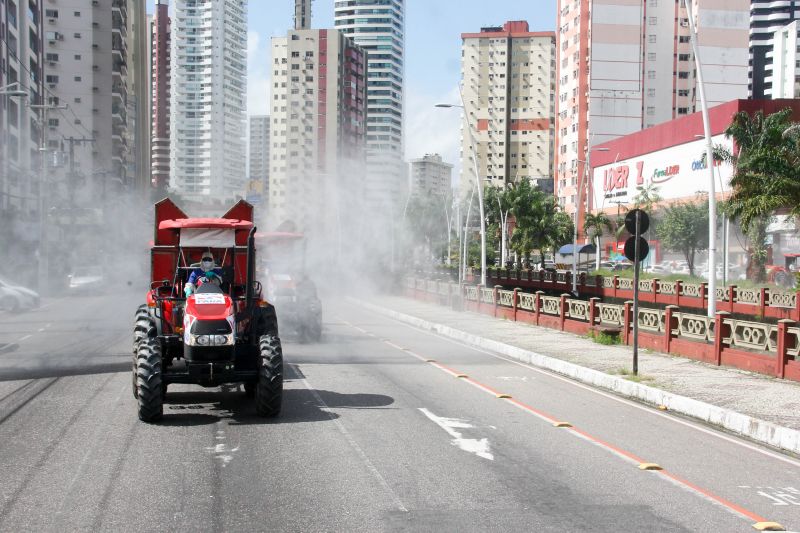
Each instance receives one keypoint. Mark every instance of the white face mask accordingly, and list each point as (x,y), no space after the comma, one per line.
(207,265)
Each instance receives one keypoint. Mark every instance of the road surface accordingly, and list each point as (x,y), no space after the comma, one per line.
(384,428)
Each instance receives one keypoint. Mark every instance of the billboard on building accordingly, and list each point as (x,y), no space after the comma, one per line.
(677,172)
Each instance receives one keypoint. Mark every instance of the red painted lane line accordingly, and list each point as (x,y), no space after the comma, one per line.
(618,451)
(604,444)
(722,501)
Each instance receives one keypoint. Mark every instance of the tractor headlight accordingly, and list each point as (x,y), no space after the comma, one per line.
(211,340)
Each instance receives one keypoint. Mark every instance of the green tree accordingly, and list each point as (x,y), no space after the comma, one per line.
(684,229)
(540,225)
(766,177)
(647,197)
(595,224)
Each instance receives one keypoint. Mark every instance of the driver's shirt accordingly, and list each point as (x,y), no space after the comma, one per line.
(198,273)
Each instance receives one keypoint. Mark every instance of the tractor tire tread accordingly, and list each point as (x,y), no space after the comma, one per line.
(149,383)
(269,389)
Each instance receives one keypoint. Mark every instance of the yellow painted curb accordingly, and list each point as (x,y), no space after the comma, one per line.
(562,425)
(662,407)
(462,376)
(503,396)
(768,526)
(649,466)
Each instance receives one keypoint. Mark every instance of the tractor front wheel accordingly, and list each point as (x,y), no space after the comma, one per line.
(149,384)
(269,389)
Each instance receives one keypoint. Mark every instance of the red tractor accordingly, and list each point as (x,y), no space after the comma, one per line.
(224,332)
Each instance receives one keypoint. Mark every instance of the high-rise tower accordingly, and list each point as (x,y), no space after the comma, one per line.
(302,14)
(160,75)
(766,18)
(378,27)
(508,76)
(207,101)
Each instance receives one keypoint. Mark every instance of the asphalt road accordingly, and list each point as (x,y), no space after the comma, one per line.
(384,428)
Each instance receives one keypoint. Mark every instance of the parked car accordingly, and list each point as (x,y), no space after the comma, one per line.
(16,297)
(88,278)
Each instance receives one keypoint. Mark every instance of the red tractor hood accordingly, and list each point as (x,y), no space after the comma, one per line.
(209,306)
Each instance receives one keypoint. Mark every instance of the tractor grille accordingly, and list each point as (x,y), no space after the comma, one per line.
(211,327)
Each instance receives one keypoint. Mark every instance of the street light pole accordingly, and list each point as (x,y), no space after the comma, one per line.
(477,182)
(581,185)
(712,197)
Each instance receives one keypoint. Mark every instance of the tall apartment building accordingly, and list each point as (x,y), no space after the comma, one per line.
(318,131)
(208,67)
(431,177)
(20,73)
(86,68)
(138,96)
(766,18)
(508,88)
(259,153)
(624,66)
(160,91)
(378,27)
(302,14)
(783,72)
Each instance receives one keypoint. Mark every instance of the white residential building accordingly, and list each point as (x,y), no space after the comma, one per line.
(317,135)
(207,100)
(782,70)
(766,18)
(508,86)
(431,177)
(378,27)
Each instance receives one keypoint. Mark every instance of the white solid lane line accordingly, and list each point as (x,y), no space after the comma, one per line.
(479,447)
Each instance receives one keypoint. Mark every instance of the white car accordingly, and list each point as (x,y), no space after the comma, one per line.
(15,297)
(86,279)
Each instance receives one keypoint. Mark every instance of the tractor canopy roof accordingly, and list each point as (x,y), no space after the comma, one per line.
(206,223)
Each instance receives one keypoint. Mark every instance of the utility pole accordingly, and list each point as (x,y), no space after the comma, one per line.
(43,189)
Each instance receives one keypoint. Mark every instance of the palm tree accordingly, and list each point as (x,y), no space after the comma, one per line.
(766,177)
(594,225)
(647,197)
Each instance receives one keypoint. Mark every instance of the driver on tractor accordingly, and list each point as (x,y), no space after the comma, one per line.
(207,272)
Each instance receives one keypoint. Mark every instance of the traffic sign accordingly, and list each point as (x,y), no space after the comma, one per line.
(630,246)
(630,221)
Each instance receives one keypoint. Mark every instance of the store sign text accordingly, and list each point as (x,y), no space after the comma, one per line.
(662,175)
(617,178)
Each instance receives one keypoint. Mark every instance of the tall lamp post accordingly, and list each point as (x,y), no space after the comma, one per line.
(712,197)
(581,185)
(477,182)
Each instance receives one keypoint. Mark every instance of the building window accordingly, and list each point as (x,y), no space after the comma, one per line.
(651,38)
(651,92)
(683,92)
(683,110)
(683,57)
(683,75)
(76,35)
(653,21)
(651,110)
(651,56)
(651,74)
(683,39)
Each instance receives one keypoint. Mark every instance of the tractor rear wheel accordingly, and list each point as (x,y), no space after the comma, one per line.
(269,389)
(149,383)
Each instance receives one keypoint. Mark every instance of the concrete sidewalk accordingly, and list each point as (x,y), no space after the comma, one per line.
(760,407)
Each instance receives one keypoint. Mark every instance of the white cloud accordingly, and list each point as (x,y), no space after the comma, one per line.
(258,74)
(433,130)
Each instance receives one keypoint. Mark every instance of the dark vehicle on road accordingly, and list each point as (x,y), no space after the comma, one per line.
(289,286)
(224,332)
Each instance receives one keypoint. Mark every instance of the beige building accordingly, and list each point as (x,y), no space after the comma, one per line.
(258,153)
(508,89)
(431,177)
(624,66)
(87,67)
(318,129)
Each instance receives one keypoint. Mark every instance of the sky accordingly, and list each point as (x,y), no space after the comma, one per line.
(432,58)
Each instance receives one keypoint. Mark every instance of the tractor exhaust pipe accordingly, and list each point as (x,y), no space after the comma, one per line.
(251,267)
